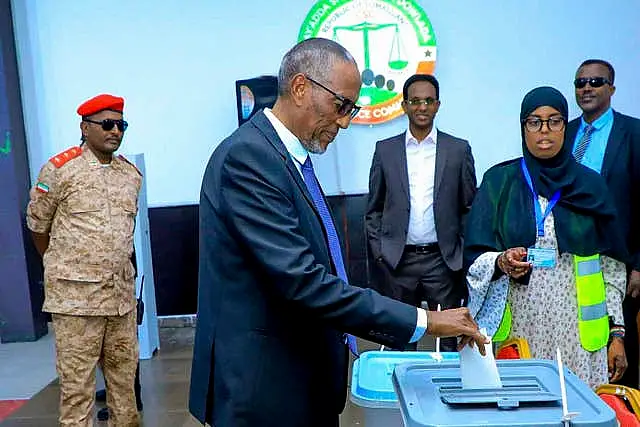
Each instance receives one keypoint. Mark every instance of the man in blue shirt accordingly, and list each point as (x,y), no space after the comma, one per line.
(609,143)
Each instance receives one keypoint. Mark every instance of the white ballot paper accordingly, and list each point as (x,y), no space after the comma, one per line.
(478,371)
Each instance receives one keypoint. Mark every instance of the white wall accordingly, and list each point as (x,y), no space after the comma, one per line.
(176,62)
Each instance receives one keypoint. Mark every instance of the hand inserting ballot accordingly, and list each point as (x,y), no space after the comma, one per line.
(456,322)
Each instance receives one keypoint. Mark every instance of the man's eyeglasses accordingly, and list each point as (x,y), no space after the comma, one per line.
(345,105)
(593,82)
(108,124)
(534,124)
(417,101)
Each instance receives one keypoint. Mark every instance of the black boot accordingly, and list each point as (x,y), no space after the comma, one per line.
(138,388)
(103,414)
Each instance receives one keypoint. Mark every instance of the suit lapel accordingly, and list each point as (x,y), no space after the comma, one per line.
(264,125)
(400,156)
(442,151)
(572,131)
(616,137)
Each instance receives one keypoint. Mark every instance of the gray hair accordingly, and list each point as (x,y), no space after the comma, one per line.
(316,57)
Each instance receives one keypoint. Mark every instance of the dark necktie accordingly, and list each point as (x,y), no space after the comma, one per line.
(311,181)
(583,144)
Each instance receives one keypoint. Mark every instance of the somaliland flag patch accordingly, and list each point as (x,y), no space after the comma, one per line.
(42,187)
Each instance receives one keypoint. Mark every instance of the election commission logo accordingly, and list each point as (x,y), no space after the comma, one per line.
(390,40)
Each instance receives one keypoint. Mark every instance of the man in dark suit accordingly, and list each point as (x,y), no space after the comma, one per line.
(274,301)
(421,186)
(609,143)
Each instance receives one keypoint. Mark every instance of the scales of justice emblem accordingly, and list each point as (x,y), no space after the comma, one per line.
(390,40)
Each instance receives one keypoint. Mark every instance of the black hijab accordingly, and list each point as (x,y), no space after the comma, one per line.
(503,217)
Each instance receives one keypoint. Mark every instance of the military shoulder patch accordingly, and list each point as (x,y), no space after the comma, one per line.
(60,159)
(124,159)
(42,187)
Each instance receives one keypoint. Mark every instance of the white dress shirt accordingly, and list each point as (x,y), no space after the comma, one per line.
(421,170)
(299,154)
(291,142)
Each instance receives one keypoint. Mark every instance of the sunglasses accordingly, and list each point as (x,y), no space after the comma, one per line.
(108,124)
(593,82)
(345,105)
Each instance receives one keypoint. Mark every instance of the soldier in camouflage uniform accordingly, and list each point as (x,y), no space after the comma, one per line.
(81,215)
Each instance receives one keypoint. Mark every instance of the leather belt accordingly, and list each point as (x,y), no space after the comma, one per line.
(422,249)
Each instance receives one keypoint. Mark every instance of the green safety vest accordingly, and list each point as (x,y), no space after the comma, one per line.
(593,322)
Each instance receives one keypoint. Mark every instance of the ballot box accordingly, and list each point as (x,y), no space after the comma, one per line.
(371,386)
(432,395)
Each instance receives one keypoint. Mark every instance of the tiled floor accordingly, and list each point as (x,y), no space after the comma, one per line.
(165,386)
(26,367)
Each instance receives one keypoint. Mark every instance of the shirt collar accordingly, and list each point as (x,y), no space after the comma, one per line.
(432,137)
(290,141)
(600,122)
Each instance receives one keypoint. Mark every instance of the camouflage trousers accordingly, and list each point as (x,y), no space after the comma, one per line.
(82,342)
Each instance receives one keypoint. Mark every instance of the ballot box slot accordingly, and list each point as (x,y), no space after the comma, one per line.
(516,391)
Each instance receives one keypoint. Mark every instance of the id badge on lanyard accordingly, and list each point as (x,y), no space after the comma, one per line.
(538,256)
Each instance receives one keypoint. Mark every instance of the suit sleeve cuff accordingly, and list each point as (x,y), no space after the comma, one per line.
(421,325)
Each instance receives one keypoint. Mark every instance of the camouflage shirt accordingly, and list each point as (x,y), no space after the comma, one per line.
(88,210)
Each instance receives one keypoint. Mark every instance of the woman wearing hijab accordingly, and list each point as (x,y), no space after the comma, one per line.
(544,252)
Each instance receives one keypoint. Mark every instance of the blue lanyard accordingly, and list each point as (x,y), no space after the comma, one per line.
(540,217)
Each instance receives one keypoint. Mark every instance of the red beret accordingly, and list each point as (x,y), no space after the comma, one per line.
(101,102)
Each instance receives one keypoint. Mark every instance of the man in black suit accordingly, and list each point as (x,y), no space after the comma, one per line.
(609,143)
(274,303)
(421,186)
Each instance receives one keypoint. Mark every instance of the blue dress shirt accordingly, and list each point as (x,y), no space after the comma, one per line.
(594,155)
